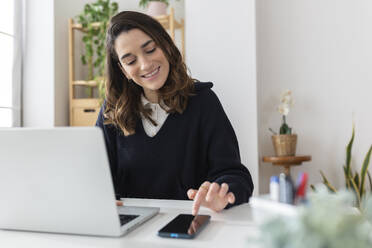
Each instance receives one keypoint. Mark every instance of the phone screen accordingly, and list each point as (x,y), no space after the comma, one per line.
(184,226)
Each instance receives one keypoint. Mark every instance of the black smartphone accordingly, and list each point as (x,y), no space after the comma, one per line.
(184,226)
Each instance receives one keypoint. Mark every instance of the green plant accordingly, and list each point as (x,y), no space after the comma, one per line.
(353,180)
(329,220)
(94,20)
(145,3)
(286,102)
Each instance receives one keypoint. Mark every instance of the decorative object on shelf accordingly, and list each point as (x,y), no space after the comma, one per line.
(286,162)
(155,7)
(353,180)
(94,20)
(285,142)
(329,220)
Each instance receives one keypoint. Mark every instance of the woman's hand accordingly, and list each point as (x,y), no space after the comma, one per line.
(119,203)
(212,196)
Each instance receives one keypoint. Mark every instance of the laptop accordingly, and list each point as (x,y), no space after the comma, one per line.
(58,180)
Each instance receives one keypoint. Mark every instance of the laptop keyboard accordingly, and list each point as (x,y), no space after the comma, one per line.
(125,218)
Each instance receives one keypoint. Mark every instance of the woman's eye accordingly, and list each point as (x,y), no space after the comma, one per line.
(131,62)
(152,50)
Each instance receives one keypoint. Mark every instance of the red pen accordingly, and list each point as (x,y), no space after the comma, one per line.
(301,188)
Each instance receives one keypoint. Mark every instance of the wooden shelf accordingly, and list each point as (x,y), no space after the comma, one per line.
(79,26)
(163,19)
(292,160)
(83,111)
(286,161)
(90,83)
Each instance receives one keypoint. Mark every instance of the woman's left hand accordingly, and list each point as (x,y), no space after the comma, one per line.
(211,195)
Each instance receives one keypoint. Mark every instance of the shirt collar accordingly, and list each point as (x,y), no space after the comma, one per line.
(146,103)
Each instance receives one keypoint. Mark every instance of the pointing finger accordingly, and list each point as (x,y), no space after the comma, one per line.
(200,196)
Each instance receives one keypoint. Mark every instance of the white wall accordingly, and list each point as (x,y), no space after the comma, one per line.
(65,9)
(38,64)
(321,50)
(220,47)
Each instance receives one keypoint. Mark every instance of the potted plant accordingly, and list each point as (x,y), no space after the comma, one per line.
(155,7)
(285,142)
(354,181)
(329,220)
(94,20)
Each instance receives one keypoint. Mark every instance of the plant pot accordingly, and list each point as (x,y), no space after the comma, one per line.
(284,144)
(156,8)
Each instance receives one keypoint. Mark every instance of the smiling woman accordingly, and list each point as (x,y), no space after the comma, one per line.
(167,136)
(137,46)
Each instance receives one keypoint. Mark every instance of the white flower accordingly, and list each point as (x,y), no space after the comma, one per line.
(283,109)
(286,98)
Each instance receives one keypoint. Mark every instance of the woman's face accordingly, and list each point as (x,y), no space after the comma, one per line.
(142,61)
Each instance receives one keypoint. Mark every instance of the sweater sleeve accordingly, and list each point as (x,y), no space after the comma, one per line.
(224,165)
(110,141)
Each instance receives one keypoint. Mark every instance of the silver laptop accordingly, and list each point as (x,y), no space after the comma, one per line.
(58,180)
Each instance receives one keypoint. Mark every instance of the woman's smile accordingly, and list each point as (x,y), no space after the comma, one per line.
(153,74)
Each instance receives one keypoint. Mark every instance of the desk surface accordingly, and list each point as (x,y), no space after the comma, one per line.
(230,228)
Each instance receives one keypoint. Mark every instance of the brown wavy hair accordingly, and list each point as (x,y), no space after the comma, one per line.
(123,106)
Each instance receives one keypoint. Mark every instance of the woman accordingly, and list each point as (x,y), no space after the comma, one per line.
(167,136)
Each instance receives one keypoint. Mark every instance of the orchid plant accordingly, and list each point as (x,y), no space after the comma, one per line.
(286,102)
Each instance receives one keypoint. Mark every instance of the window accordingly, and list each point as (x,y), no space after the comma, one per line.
(10,68)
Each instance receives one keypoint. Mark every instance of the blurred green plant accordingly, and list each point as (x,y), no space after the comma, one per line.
(353,180)
(329,220)
(94,19)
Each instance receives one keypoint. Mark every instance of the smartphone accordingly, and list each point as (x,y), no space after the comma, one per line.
(184,226)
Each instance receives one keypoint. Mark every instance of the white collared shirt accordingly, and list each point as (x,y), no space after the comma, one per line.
(159,115)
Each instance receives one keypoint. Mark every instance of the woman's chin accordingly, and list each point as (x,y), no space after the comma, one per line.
(153,86)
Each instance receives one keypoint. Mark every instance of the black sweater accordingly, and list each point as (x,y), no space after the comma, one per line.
(190,148)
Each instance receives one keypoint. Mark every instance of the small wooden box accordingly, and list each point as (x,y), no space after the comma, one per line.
(84,112)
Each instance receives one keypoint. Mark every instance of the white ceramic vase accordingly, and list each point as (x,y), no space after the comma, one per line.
(156,8)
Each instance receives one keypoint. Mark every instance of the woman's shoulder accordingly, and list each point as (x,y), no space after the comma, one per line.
(203,91)
(202,87)
(204,95)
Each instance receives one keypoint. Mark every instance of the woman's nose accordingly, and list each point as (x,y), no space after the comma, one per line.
(145,64)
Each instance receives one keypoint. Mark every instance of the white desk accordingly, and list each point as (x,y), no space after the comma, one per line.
(230,228)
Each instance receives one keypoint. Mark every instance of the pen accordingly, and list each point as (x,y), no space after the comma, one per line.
(301,188)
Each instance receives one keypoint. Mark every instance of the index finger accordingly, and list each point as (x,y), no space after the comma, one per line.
(200,195)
